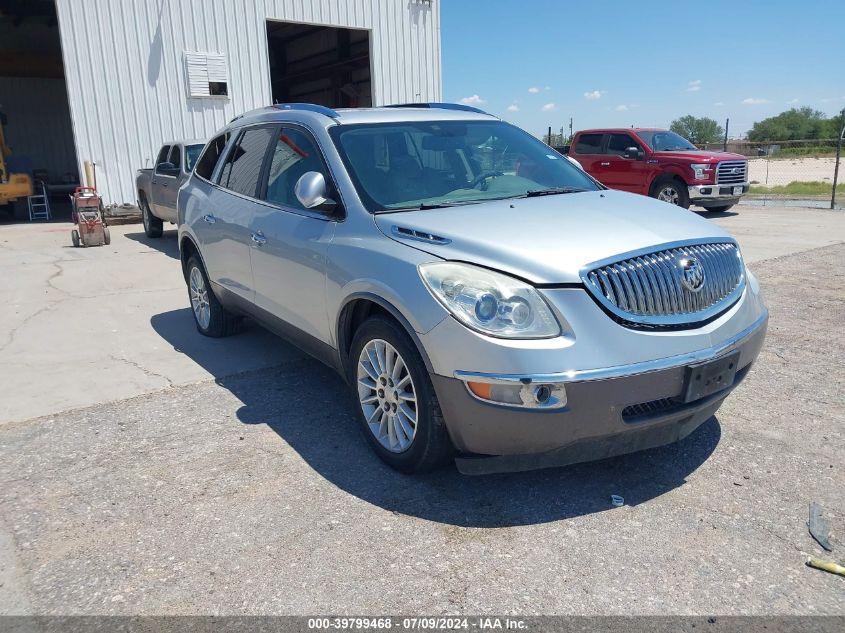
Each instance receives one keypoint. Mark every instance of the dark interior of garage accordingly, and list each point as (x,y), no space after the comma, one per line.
(33,99)
(318,64)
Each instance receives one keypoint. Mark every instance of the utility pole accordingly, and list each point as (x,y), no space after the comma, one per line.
(725,144)
(836,169)
(570,128)
(549,137)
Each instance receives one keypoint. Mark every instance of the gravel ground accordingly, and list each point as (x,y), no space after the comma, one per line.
(256,494)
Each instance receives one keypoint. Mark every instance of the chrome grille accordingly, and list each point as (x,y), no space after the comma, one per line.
(676,286)
(731,172)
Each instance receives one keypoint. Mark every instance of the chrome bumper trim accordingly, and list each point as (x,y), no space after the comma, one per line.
(619,371)
(695,191)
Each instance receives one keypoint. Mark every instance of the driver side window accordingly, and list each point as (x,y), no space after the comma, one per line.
(295,154)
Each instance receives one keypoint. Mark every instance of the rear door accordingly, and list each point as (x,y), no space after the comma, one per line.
(587,150)
(291,242)
(224,228)
(627,174)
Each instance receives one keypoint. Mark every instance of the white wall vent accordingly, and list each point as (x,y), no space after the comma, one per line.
(207,74)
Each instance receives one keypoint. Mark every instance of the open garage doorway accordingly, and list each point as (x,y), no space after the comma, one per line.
(34,103)
(325,65)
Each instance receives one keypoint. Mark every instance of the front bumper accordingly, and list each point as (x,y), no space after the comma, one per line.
(608,411)
(717,194)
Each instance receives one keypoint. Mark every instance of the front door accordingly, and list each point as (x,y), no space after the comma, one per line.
(291,242)
(624,172)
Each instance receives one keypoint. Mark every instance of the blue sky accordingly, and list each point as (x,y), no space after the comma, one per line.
(644,62)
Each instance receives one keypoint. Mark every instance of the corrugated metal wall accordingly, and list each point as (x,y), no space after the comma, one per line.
(39,123)
(124,62)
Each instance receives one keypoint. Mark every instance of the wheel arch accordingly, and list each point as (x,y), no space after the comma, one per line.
(188,248)
(356,309)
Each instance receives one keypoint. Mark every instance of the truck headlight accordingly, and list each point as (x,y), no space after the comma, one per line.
(489,302)
(701,170)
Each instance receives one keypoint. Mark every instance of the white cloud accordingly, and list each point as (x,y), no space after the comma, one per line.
(621,108)
(754,101)
(473,100)
(533,90)
(791,101)
(549,107)
(719,103)
(694,85)
(513,108)
(594,94)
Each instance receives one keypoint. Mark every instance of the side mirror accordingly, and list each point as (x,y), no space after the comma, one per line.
(166,168)
(634,153)
(311,190)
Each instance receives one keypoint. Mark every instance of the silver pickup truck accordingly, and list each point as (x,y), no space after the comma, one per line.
(157,186)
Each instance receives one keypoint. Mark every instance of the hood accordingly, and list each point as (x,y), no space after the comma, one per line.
(547,240)
(698,156)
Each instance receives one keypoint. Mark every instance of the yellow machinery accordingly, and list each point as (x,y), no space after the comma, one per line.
(12,185)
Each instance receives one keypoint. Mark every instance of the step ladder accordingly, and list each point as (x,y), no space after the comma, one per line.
(39,204)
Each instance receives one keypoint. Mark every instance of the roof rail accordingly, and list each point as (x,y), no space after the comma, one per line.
(439,106)
(310,107)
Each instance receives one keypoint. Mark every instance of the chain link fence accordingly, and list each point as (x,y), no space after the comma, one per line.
(789,170)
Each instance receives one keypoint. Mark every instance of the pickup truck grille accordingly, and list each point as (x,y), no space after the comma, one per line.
(671,288)
(731,172)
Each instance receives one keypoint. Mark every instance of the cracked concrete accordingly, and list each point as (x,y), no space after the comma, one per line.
(85,326)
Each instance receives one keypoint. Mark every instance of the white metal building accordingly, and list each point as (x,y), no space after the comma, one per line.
(108,81)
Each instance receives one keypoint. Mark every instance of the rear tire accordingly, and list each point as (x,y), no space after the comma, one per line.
(106,236)
(410,446)
(719,209)
(153,226)
(672,190)
(210,317)
(74,237)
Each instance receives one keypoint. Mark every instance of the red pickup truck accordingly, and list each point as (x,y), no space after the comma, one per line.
(663,165)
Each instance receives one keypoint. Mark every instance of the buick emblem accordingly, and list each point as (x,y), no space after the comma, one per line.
(692,274)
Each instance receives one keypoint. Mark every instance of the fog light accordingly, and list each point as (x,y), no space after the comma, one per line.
(705,191)
(537,396)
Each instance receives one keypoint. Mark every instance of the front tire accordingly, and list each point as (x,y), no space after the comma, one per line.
(719,209)
(74,238)
(671,190)
(106,236)
(211,318)
(395,401)
(153,226)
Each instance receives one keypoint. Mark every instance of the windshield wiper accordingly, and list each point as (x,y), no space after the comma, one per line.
(426,206)
(552,191)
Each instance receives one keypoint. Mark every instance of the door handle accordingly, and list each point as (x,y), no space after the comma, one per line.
(209,218)
(258,238)
(605,164)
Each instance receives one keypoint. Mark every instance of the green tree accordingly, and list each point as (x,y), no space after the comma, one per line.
(795,124)
(697,130)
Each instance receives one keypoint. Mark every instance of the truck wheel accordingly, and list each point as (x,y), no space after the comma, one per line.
(153,226)
(211,318)
(74,237)
(394,399)
(106,236)
(671,190)
(719,209)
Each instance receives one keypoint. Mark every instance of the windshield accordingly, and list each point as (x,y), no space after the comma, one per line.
(192,152)
(442,163)
(665,141)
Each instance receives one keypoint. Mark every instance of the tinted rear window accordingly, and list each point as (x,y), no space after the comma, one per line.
(243,165)
(588,144)
(206,164)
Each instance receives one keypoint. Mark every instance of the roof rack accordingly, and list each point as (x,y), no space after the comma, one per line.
(310,107)
(440,106)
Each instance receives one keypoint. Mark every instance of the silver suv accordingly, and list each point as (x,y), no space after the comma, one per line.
(484,298)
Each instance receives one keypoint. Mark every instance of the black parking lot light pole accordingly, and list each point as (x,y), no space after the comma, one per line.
(836,168)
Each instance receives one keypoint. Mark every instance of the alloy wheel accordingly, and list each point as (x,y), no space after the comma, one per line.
(199,298)
(387,395)
(669,194)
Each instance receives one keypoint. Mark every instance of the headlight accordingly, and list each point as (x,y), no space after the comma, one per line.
(701,170)
(489,302)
